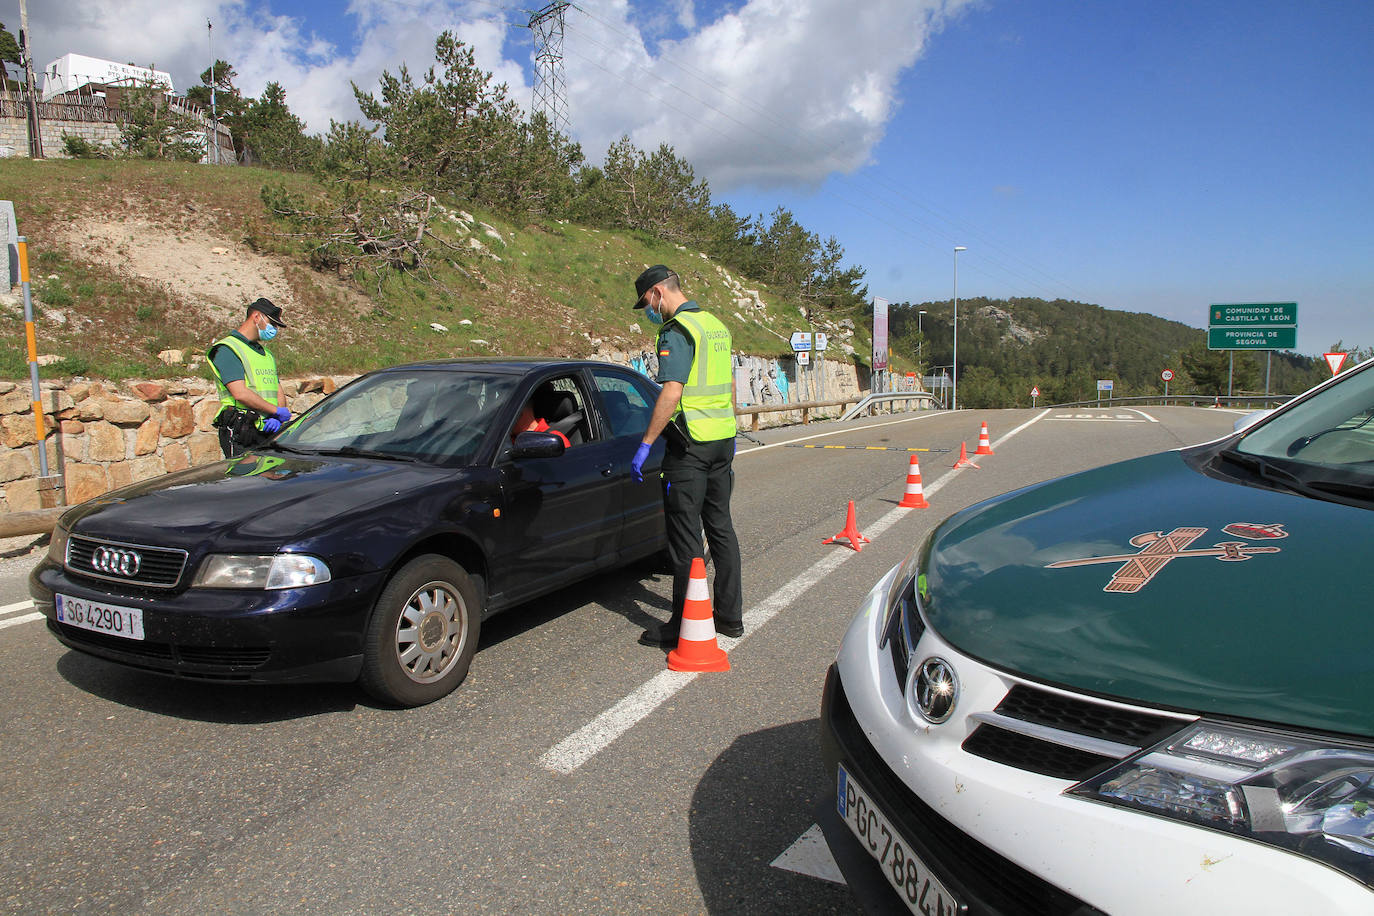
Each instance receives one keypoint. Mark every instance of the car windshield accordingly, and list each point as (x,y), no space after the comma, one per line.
(1330,435)
(431,415)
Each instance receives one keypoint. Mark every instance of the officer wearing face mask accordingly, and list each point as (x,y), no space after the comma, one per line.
(252,404)
(696,408)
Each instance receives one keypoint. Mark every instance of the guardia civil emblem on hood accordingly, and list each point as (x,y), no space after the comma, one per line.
(1158,550)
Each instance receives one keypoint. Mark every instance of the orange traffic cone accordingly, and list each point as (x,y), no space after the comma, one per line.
(914,498)
(850,532)
(984,446)
(964,460)
(696,642)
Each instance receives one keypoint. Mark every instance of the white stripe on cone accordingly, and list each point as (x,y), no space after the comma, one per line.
(694,630)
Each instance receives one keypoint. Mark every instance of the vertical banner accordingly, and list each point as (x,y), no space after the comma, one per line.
(879,334)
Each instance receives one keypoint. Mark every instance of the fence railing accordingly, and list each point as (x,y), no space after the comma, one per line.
(1190,400)
(804,406)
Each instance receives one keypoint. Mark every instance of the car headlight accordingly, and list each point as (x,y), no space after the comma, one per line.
(282,570)
(1310,796)
(57,546)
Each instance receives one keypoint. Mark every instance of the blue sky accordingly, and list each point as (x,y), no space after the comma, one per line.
(1145,155)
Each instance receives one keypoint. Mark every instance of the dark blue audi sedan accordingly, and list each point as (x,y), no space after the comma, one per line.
(369,540)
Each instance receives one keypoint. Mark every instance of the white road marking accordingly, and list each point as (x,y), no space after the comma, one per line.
(1118,418)
(810,855)
(17,606)
(589,740)
(15,621)
(1142,413)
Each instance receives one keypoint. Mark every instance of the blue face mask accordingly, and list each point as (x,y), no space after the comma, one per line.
(268,332)
(652,314)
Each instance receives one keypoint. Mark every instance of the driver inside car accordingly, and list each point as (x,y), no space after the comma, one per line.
(528,422)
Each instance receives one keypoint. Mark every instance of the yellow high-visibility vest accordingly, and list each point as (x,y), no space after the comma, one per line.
(707,402)
(259,374)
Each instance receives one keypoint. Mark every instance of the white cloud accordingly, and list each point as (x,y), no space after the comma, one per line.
(773,93)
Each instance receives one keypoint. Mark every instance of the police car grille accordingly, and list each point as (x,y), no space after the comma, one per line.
(158,567)
(1063,736)
(1110,723)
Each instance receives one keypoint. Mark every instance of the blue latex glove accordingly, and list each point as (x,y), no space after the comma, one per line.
(271,425)
(637,463)
(283,415)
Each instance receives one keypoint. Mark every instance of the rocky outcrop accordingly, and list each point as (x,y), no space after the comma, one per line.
(100,435)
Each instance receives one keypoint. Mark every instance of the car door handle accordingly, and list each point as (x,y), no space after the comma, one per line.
(605,469)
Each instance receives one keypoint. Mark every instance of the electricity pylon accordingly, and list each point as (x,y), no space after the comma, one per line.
(550,86)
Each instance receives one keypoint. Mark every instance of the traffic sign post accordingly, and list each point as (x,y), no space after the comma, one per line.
(1035,393)
(1252,326)
(1104,384)
(1167,375)
(1335,361)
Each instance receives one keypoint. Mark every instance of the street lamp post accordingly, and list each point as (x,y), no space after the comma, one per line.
(954,369)
(920,344)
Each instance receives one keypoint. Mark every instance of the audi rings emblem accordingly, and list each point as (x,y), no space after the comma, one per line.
(932,690)
(115,561)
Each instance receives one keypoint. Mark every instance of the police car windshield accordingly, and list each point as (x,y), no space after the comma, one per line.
(431,415)
(1330,435)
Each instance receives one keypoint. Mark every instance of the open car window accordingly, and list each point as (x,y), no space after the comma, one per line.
(427,415)
(562,404)
(628,402)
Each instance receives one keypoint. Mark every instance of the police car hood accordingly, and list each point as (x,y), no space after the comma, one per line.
(1150,582)
(258,499)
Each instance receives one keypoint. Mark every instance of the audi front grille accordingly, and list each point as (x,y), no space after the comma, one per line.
(134,564)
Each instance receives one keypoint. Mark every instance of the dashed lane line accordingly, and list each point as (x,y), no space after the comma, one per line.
(589,740)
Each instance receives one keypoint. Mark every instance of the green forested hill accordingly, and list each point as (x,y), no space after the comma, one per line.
(1008,346)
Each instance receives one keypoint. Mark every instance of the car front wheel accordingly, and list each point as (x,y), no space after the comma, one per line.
(423,633)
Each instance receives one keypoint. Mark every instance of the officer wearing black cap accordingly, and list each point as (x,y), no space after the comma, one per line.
(697,409)
(252,403)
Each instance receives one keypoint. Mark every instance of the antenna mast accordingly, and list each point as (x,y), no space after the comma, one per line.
(550,85)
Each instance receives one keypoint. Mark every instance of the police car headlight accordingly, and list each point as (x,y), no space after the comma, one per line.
(283,570)
(1313,797)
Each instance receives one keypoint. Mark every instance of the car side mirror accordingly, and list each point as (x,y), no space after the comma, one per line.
(531,444)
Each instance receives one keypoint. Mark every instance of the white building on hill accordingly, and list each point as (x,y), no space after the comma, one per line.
(71,72)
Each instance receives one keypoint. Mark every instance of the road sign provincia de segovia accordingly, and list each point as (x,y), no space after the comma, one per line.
(1252,326)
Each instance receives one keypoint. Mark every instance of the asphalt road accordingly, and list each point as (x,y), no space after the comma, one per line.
(567,775)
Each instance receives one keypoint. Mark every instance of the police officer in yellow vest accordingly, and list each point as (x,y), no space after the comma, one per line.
(252,404)
(697,409)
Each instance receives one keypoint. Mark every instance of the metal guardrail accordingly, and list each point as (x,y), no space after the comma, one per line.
(861,403)
(1190,400)
(887,397)
(804,406)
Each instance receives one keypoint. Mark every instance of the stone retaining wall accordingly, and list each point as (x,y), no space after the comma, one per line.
(101,435)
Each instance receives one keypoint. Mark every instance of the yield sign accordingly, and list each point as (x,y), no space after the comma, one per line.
(1335,361)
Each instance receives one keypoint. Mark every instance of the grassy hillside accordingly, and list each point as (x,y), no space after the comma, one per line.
(132,258)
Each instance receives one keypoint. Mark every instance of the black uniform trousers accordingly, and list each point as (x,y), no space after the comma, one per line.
(701,478)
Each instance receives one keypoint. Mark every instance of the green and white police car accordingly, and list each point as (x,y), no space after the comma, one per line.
(1146,688)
